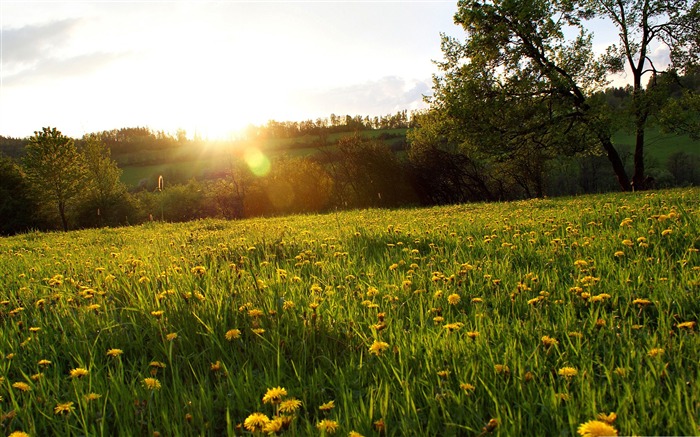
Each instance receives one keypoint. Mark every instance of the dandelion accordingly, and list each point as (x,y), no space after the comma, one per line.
(453,299)
(453,326)
(619,254)
(473,334)
(666,232)
(36,376)
(215,367)
(157,314)
(172,336)
(274,426)
(467,387)
(258,331)
(656,352)
(255,312)
(151,383)
(327,426)
(628,243)
(78,373)
(596,428)
(256,422)
(567,372)
(443,373)
(114,352)
(289,406)
(22,386)
(620,371)
(328,406)
(354,434)
(198,270)
(18,434)
(548,341)
(233,334)
(686,325)
(44,362)
(607,418)
(477,300)
(378,347)
(274,395)
(501,369)
(64,408)
(288,305)
(641,302)
(91,397)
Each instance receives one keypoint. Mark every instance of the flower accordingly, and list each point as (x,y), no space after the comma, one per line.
(453,299)
(255,312)
(18,434)
(567,372)
(22,386)
(327,426)
(473,334)
(114,352)
(232,334)
(91,397)
(596,428)
(44,362)
(327,406)
(655,352)
(198,270)
(467,387)
(64,408)
(274,426)
(607,418)
(157,314)
(549,341)
(453,326)
(151,383)
(289,406)
(274,395)
(355,434)
(687,325)
(258,331)
(78,372)
(172,336)
(256,422)
(501,368)
(378,347)
(641,302)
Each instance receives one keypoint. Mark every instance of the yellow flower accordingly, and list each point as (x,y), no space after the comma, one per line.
(78,372)
(453,299)
(172,336)
(568,372)
(44,362)
(453,326)
(274,395)
(91,397)
(596,428)
(215,367)
(549,341)
(256,422)
(607,418)
(274,426)
(37,376)
(327,406)
(467,387)
(354,434)
(233,334)
(289,406)
(255,312)
(151,383)
(18,434)
(628,243)
(654,352)
(22,386)
(666,232)
(198,270)
(114,352)
(501,368)
(157,314)
(473,334)
(64,408)
(378,347)
(619,254)
(327,426)
(687,325)
(258,331)
(641,302)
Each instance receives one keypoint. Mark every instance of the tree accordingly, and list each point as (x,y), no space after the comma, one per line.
(16,206)
(519,87)
(55,170)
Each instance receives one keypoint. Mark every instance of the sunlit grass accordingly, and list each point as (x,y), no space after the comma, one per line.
(526,318)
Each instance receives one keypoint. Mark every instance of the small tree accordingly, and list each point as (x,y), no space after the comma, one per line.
(55,170)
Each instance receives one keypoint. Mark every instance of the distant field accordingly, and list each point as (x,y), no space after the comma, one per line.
(537,318)
(188,165)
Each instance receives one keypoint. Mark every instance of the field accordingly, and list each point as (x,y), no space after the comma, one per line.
(541,317)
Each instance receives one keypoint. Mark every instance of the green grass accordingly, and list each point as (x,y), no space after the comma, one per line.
(659,146)
(325,287)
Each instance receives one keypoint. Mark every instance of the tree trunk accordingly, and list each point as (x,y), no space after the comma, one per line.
(617,165)
(638,177)
(62,212)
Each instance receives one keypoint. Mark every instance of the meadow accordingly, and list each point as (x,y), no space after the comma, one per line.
(540,317)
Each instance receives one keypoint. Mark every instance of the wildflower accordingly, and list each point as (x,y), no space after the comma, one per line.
(256,422)
(378,347)
(491,426)
(22,386)
(467,387)
(151,383)
(255,312)
(628,243)
(473,334)
(157,314)
(288,305)
(327,426)
(620,371)
(502,368)
(233,334)
(666,232)
(567,372)
(157,365)
(453,299)
(91,397)
(215,367)
(596,428)
(172,336)
(64,408)
(274,426)
(453,326)
(379,425)
(549,341)
(114,352)
(34,329)
(274,395)
(686,325)
(258,331)
(198,270)
(289,406)
(607,418)
(36,376)
(655,352)
(354,434)
(641,302)
(438,319)
(44,362)
(443,373)
(619,254)
(328,406)
(78,373)
(18,434)
(477,300)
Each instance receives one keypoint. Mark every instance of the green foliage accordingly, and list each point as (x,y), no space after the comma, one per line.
(16,205)
(540,314)
(55,170)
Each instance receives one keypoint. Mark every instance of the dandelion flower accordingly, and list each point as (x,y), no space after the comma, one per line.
(18,434)
(91,397)
(453,299)
(502,368)
(172,336)
(64,408)
(666,232)
(378,347)
(232,334)
(619,254)
(78,373)
(274,395)
(467,387)
(641,302)
(255,312)
(327,406)
(114,352)
(256,422)
(151,383)
(22,386)
(596,428)
(289,406)
(549,341)
(327,426)
(473,334)
(655,352)
(567,372)
(274,426)
(157,314)
(607,418)
(354,434)
(258,331)
(687,325)
(44,362)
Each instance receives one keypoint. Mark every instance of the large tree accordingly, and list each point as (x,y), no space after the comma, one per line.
(55,169)
(523,84)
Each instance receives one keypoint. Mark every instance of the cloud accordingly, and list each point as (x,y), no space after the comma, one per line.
(30,43)
(385,95)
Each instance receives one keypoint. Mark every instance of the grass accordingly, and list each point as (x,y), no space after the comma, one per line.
(413,322)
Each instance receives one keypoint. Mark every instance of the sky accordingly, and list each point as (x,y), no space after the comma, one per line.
(212,68)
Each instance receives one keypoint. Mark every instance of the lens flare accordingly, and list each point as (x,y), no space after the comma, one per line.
(258,163)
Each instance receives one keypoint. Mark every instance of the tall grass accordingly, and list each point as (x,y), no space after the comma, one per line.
(443,321)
